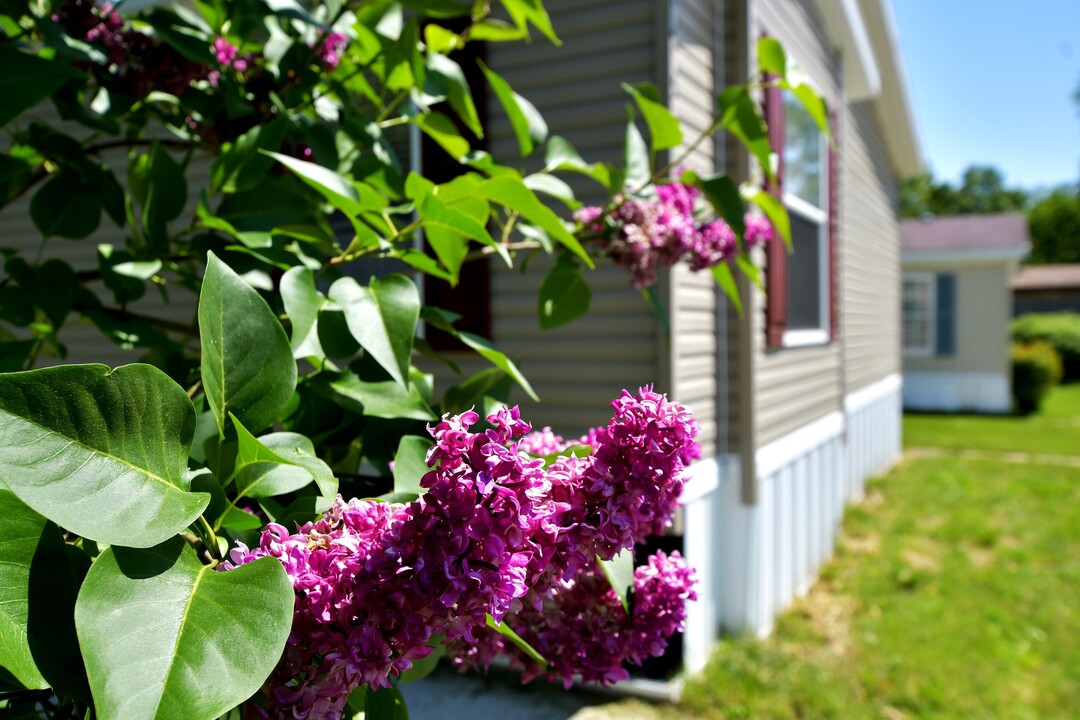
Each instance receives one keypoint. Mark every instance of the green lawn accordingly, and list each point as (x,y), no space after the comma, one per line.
(1054,430)
(954,594)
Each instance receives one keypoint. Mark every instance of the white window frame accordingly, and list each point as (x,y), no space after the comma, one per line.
(929,349)
(820,335)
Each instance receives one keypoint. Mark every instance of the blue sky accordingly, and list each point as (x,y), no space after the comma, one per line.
(992,83)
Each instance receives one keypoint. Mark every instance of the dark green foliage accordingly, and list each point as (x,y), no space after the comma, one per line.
(1036,368)
(982,190)
(1061,330)
(1054,224)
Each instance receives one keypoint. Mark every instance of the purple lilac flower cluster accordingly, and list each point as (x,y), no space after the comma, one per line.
(493,528)
(329,49)
(583,631)
(641,235)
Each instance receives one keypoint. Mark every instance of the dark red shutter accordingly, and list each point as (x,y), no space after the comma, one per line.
(834,170)
(471,298)
(776,251)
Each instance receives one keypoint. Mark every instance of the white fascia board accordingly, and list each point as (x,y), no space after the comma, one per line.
(846,28)
(894,103)
(976,255)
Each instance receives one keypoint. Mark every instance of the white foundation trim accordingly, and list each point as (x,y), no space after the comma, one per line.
(783,451)
(873,392)
(945,391)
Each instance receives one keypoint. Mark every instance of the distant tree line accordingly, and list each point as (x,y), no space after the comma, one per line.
(1053,218)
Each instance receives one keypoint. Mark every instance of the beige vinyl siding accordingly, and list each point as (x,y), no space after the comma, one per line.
(983,310)
(579,368)
(870,297)
(795,386)
(693,303)
(84,342)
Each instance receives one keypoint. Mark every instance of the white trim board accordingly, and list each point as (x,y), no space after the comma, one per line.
(770,458)
(857,400)
(987,392)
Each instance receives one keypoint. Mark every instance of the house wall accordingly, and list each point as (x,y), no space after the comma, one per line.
(697,325)
(795,386)
(1046,301)
(976,376)
(870,267)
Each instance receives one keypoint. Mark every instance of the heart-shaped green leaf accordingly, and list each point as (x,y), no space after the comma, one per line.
(382,317)
(302,304)
(27,80)
(165,636)
(619,571)
(564,295)
(247,364)
(39,580)
(21,530)
(100,452)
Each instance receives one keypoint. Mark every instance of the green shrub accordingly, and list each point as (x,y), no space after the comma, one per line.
(1036,367)
(1062,330)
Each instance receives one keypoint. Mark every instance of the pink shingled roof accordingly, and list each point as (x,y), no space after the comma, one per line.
(1046,277)
(965,232)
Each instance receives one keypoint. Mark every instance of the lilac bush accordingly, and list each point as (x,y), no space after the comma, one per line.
(495,533)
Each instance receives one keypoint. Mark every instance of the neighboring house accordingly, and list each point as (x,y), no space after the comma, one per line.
(799,397)
(1046,289)
(957,306)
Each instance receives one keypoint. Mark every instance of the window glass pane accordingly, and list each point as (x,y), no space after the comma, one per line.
(916,310)
(804,275)
(802,153)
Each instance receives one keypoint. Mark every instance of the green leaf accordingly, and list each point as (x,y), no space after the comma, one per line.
(38,585)
(507,632)
(65,207)
(410,464)
(529,126)
(302,304)
(447,78)
(813,103)
(523,12)
(157,182)
(619,571)
(165,636)
(723,194)
(386,399)
(21,530)
(337,189)
(512,193)
(495,31)
(385,704)
(773,209)
(636,158)
(247,364)
(442,130)
(243,163)
(561,155)
(771,57)
(100,452)
(422,668)
(27,80)
(726,281)
(278,463)
(449,228)
(564,295)
(382,317)
(740,116)
(483,347)
(664,129)
(552,187)
(751,271)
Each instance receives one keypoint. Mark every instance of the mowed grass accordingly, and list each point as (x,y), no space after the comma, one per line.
(1054,430)
(954,594)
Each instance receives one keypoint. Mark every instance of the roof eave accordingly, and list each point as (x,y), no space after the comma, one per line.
(894,101)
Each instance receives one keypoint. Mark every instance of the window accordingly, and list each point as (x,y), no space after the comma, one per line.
(800,307)
(919,314)
(929,314)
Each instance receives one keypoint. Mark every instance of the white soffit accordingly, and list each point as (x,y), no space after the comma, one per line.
(894,103)
(846,28)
